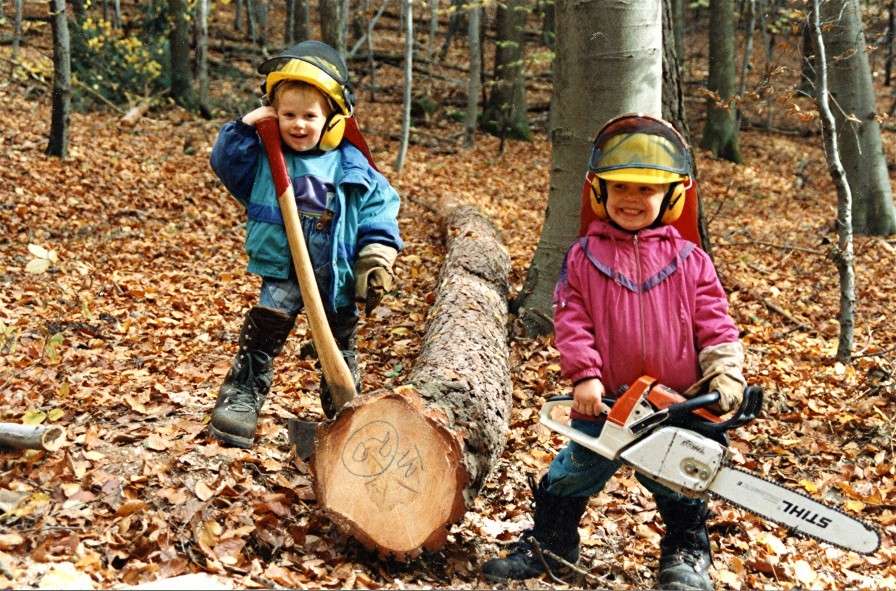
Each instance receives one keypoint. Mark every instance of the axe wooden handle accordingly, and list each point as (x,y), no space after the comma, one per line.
(335,370)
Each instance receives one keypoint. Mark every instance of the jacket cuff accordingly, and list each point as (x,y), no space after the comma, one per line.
(590,373)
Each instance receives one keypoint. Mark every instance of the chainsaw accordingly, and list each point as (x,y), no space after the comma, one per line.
(676,442)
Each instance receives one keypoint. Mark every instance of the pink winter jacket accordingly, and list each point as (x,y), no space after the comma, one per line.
(628,305)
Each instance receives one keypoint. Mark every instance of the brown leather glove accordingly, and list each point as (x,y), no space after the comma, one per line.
(722,367)
(373,274)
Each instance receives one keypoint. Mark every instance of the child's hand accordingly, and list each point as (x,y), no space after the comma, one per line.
(587,396)
(253,117)
(373,274)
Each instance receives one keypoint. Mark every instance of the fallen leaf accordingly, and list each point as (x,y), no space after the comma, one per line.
(804,572)
(8,541)
(156,443)
(203,491)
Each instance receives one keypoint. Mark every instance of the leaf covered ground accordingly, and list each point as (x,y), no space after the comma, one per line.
(125,334)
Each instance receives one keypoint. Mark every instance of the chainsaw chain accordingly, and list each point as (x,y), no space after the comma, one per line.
(802,494)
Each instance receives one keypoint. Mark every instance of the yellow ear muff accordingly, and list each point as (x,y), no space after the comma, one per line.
(334,129)
(597,197)
(676,202)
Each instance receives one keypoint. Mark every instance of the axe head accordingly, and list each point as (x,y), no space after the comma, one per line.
(302,435)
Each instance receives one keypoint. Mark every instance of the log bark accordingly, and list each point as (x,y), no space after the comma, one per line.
(396,468)
(16,436)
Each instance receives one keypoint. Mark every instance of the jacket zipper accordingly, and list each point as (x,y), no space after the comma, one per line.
(640,300)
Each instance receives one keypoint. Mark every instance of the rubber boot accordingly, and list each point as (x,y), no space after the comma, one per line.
(344,325)
(685,555)
(326,397)
(556,529)
(235,416)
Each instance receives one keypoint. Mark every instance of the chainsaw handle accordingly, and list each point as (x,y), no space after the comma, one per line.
(748,410)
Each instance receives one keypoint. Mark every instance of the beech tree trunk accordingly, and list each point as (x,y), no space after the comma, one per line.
(179,37)
(505,112)
(621,40)
(474,82)
(720,132)
(843,256)
(859,141)
(62,81)
(396,468)
(202,13)
(332,24)
(407,14)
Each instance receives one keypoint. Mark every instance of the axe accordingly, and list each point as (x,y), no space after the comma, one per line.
(336,372)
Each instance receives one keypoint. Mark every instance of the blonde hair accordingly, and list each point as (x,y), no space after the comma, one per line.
(300,86)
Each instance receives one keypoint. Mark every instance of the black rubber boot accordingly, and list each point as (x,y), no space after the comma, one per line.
(344,325)
(246,386)
(326,397)
(685,555)
(556,529)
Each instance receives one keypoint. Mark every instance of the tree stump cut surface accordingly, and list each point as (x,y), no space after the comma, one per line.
(396,468)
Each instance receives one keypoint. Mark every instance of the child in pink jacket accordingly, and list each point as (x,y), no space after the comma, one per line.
(634,298)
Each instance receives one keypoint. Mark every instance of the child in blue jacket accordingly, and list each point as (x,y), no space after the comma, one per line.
(348,215)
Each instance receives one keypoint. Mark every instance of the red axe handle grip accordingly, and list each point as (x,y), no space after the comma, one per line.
(334,368)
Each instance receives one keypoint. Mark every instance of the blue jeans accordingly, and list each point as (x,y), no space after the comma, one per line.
(579,472)
(284,294)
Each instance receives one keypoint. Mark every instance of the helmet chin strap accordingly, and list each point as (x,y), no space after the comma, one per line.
(663,206)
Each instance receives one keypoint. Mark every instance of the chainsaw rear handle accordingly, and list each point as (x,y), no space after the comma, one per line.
(748,410)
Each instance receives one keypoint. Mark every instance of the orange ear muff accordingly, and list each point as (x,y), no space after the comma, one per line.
(598,196)
(676,201)
(334,129)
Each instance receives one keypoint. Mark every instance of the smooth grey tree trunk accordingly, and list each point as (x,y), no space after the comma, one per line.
(859,139)
(17,30)
(289,34)
(238,15)
(621,40)
(745,64)
(678,11)
(844,257)
(179,37)
(301,21)
(474,82)
(549,23)
(433,31)
(674,105)
(332,24)
(807,61)
(408,18)
(202,7)
(62,81)
(505,112)
(260,14)
(720,132)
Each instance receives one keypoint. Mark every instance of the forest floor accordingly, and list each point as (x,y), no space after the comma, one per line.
(126,335)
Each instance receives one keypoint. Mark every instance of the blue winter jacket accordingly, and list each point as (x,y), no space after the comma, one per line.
(344,204)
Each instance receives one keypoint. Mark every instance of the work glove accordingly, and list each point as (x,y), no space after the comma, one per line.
(722,368)
(373,274)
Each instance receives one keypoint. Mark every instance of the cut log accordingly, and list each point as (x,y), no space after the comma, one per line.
(396,468)
(16,436)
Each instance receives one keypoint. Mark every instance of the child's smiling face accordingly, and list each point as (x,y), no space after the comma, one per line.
(301,113)
(634,206)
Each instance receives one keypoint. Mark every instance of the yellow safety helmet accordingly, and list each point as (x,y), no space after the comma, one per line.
(638,148)
(321,66)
